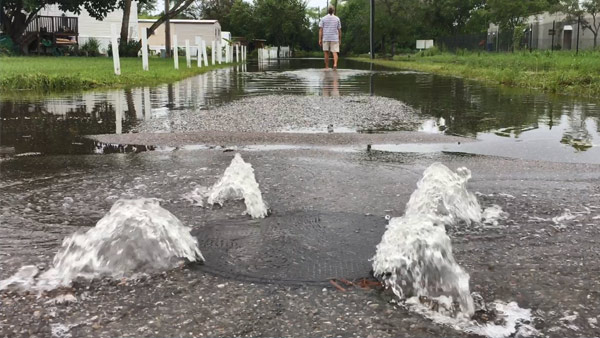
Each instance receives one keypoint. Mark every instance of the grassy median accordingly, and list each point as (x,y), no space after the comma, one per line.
(558,72)
(54,74)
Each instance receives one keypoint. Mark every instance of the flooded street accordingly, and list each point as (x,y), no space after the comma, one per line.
(332,178)
(508,122)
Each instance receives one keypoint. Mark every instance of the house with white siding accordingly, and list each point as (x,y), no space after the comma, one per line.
(88,27)
(192,30)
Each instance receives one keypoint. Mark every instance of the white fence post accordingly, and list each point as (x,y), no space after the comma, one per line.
(144,49)
(213,52)
(204,53)
(115,49)
(237,53)
(175,52)
(188,55)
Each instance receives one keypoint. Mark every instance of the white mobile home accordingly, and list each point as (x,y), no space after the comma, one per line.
(208,30)
(89,27)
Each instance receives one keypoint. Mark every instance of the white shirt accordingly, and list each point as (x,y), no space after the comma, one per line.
(330,24)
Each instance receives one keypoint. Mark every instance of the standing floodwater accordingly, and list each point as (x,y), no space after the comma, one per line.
(510,122)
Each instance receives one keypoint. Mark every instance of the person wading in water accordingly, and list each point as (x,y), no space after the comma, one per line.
(330,36)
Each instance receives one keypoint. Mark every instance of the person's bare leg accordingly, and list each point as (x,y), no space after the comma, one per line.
(335,60)
(326,60)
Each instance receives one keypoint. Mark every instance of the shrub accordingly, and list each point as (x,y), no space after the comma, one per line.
(90,48)
(6,46)
(433,51)
(129,49)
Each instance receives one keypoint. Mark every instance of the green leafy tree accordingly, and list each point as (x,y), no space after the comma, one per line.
(592,7)
(282,22)
(354,15)
(450,17)
(242,20)
(511,13)
(216,10)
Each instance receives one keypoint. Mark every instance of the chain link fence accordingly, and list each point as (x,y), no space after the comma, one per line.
(548,36)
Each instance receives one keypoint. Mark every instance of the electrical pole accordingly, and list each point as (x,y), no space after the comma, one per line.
(372,29)
(167,31)
(553,33)
(578,26)
(530,38)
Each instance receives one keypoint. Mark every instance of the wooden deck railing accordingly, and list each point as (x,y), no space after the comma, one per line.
(54,24)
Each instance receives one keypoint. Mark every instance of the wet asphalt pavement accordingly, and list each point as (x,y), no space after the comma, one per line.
(328,194)
(241,291)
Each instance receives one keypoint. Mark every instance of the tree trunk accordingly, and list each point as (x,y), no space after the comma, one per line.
(167,32)
(178,8)
(16,25)
(125,23)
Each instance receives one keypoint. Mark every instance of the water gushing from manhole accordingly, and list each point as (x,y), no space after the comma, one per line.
(135,236)
(238,182)
(415,257)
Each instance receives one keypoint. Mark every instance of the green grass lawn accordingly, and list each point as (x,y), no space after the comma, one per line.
(52,74)
(558,72)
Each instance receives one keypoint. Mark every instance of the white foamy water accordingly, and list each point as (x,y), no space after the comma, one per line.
(238,182)
(135,236)
(433,126)
(415,257)
(196,196)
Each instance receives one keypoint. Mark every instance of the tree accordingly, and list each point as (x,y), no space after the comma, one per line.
(146,8)
(354,15)
(592,7)
(282,21)
(176,9)
(15,15)
(509,14)
(242,20)
(393,21)
(126,6)
(216,10)
(450,17)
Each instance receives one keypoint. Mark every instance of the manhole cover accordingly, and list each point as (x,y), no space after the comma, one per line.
(303,247)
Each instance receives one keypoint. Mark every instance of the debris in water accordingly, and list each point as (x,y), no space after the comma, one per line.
(135,236)
(238,182)
(414,258)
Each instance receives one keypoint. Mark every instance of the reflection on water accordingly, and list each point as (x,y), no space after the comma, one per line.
(53,125)
(330,82)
